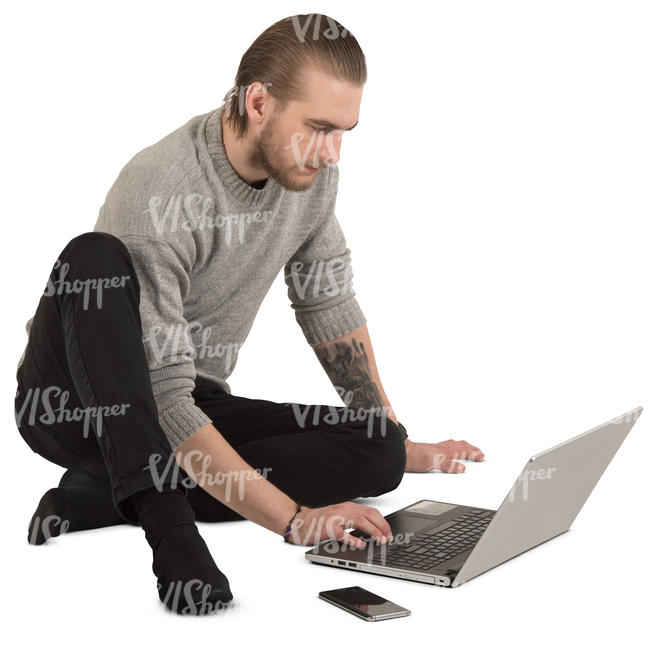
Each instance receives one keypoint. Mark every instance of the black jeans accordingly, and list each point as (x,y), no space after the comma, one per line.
(84,399)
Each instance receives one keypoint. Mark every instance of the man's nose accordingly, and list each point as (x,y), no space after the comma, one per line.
(330,153)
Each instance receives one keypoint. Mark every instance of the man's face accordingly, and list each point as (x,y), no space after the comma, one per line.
(296,143)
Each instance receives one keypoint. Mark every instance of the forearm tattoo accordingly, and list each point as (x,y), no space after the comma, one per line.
(348,367)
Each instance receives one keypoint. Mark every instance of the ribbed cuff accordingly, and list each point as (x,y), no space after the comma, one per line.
(181,421)
(331,323)
(402,429)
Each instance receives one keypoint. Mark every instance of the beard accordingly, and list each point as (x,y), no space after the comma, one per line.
(264,151)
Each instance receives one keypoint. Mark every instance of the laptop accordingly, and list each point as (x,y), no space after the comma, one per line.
(447,544)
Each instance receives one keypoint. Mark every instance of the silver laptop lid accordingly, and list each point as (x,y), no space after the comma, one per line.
(547,496)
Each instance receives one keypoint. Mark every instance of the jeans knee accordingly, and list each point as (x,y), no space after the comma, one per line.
(97,254)
(391,462)
(94,244)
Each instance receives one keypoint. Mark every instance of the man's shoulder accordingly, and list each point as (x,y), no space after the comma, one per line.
(146,185)
(166,162)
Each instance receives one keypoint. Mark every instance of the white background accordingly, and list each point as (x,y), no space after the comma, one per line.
(495,200)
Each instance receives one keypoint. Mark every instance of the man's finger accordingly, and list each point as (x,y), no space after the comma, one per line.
(351,540)
(471,452)
(463,450)
(375,517)
(364,524)
(473,448)
(451,466)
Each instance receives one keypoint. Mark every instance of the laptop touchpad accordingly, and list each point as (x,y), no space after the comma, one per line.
(426,507)
(401,523)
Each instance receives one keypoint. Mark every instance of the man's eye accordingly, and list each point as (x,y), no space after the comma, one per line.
(319,130)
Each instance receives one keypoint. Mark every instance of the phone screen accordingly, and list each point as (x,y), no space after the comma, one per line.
(364,603)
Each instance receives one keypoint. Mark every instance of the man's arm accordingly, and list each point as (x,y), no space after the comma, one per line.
(319,281)
(215,465)
(223,473)
(163,275)
(349,362)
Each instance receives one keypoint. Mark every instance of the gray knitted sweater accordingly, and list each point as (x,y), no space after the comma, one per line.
(206,246)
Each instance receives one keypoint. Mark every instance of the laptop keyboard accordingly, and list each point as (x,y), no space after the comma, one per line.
(429,549)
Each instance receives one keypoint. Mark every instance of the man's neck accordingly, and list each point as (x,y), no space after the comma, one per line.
(237,154)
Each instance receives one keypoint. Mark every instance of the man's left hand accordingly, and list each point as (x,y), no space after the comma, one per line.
(424,456)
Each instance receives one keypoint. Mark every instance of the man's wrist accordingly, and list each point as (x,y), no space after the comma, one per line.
(286,533)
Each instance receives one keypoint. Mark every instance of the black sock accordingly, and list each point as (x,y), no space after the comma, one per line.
(81,502)
(189,580)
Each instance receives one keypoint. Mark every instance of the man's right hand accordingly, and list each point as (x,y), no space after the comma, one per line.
(313,525)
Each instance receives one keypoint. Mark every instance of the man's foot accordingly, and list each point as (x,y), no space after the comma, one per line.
(81,502)
(189,581)
(49,520)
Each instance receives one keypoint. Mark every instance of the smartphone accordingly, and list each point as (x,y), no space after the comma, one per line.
(363,603)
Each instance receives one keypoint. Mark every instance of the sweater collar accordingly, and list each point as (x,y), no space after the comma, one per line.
(239,188)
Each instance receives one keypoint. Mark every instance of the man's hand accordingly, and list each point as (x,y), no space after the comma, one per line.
(424,456)
(312,525)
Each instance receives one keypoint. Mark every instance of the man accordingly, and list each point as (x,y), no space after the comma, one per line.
(142,320)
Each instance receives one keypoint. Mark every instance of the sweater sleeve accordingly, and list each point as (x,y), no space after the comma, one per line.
(164,281)
(319,277)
